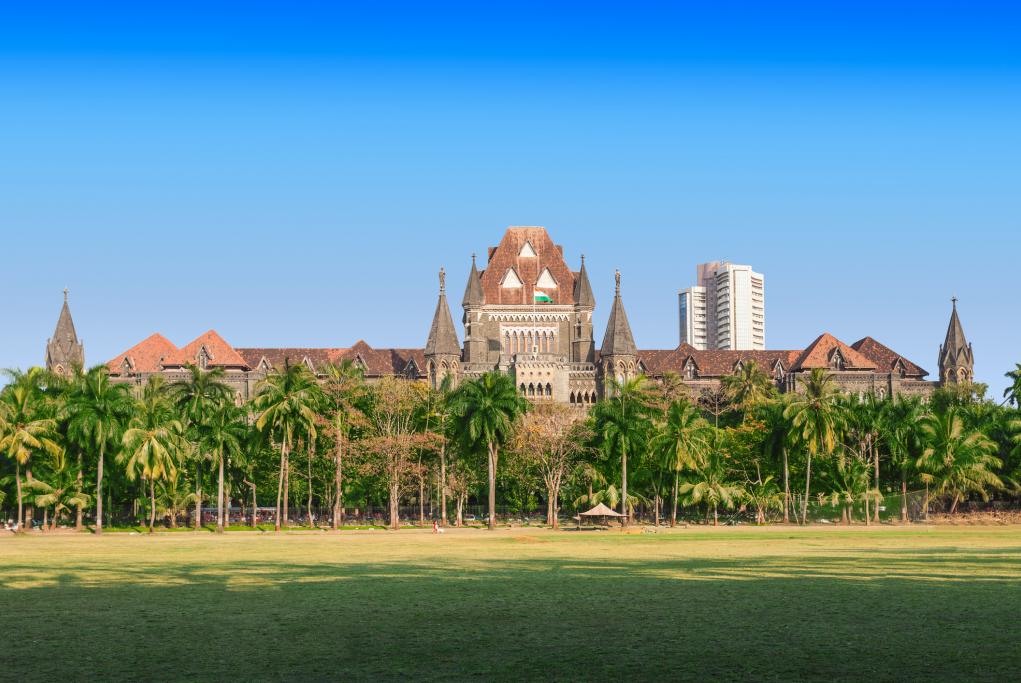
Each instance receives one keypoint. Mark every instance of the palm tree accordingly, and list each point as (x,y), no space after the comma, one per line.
(485,410)
(623,421)
(775,443)
(748,386)
(710,484)
(152,443)
(957,460)
(98,410)
(815,421)
(763,495)
(344,386)
(847,482)
(1012,394)
(197,397)
(681,441)
(25,430)
(286,406)
(224,432)
(903,437)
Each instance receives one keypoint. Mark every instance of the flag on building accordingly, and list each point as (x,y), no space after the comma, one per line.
(541,297)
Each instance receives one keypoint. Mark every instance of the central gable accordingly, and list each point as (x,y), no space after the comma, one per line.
(530,256)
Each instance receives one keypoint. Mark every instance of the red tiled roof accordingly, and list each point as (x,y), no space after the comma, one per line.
(145,356)
(818,353)
(527,268)
(221,354)
(886,358)
(714,363)
(377,362)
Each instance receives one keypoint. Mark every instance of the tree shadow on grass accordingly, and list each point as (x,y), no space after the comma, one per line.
(893,615)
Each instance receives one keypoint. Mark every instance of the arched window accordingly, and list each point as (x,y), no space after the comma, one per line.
(531,390)
(549,390)
(571,398)
(523,391)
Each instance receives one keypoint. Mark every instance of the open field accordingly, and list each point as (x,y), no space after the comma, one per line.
(772,603)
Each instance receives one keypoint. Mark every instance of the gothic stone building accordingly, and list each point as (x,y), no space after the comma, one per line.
(528,314)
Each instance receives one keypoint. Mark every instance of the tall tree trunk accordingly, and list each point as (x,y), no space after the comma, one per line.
(78,487)
(623,485)
(655,508)
(786,489)
(308,500)
(676,495)
(21,508)
(443,483)
(460,511)
(152,504)
(197,522)
(808,483)
(875,457)
(287,488)
(99,492)
(953,505)
(255,505)
(421,499)
(716,515)
(926,511)
(395,510)
(904,495)
(492,485)
(338,498)
(280,482)
(219,498)
(556,509)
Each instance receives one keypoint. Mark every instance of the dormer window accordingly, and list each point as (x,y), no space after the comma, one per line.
(526,251)
(836,360)
(203,358)
(689,370)
(510,280)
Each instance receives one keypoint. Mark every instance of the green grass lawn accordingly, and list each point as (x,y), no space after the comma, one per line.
(760,604)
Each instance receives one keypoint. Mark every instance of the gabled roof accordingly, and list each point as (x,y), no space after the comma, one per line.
(506,256)
(820,351)
(886,358)
(145,356)
(618,340)
(221,354)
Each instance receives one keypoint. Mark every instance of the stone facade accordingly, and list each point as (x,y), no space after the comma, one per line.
(529,315)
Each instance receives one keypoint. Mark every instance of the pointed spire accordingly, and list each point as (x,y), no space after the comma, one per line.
(618,339)
(582,289)
(442,335)
(955,341)
(63,349)
(473,290)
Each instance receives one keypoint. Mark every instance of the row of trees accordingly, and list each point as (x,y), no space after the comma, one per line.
(336,443)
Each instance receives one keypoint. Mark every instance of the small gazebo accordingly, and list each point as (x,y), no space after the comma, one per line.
(600,512)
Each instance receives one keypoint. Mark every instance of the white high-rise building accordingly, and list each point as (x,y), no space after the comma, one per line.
(725,310)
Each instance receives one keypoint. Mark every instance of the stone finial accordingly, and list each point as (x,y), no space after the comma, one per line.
(65,294)
(443,281)
(616,277)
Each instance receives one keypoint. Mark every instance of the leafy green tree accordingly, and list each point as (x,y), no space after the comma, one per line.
(957,461)
(153,443)
(1012,394)
(776,440)
(846,480)
(26,429)
(485,410)
(749,386)
(903,437)
(98,411)
(344,389)
(224,433)
(286,406)
(763,495)
(61,492)
(816,421)
(681,440)
(624,421)
(711,484)
(198,396)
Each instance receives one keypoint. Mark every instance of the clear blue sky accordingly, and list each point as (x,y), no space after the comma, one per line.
(295,173)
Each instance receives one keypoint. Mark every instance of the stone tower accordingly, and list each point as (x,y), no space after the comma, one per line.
(582,341)
(475,342)
(63,350)
(442,350)
(618,356)
(956,360)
